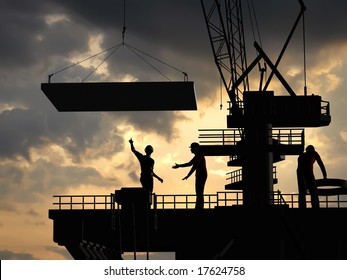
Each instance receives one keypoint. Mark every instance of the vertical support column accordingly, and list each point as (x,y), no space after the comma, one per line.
(257,154)
(135,222)
(258,164)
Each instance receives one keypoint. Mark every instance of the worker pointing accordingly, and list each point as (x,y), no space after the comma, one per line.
(147,167)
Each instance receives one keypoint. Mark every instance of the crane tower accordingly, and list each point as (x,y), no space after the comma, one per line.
(251,140)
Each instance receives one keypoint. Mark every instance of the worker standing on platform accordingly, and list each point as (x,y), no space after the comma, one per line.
(198,164)
(147,167)
(305,176)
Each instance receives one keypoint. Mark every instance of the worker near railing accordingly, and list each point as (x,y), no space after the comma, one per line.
(306,178)
(198,164)
(147,167)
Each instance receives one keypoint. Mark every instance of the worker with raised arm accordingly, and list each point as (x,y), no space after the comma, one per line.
(198,164)
(147,167)
(306,178)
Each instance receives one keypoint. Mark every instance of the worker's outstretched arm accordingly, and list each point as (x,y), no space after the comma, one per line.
(322,167)
(191,171)
(156,176)
(190,163)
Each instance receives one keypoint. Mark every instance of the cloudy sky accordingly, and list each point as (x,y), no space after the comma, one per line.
(44,152)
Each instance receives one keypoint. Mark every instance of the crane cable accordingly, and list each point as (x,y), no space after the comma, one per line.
(113,49)
(137,52)
(220,82)
(81,61)
(124,26)
(304,50)
(253,14)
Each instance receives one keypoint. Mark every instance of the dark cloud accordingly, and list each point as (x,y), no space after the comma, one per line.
(42,178)
(21,27)
(323,20)
(23,129)
(175,25)
(134,176)
(159,123)
(20,130)
(7,206)
(48,176)
(33,213)
(10,255)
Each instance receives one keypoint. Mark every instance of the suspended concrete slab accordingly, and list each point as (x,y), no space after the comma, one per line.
(128,96)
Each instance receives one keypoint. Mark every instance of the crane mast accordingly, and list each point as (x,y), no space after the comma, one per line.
(224,23)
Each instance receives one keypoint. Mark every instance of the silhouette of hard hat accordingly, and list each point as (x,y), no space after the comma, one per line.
(194,145)
(149,149)
(310,148)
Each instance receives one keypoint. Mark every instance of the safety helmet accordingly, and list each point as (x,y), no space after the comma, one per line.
(194,145)
(310,148)
(149,149)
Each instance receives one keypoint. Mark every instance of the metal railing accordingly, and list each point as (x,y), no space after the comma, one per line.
(325,201)
(235,136)
(220,136)
(240,105)
(325,108)
(183,201)
(81,202)
(289,136)
(236,175)
(221,199)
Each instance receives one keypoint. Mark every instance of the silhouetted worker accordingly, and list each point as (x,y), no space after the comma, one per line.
(198,164)
(147,166)
(305,176)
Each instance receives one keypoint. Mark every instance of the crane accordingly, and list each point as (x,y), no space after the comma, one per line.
(255,113)
(224,21)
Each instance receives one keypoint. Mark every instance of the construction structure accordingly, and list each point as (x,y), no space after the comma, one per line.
(261,125)
(248,221)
